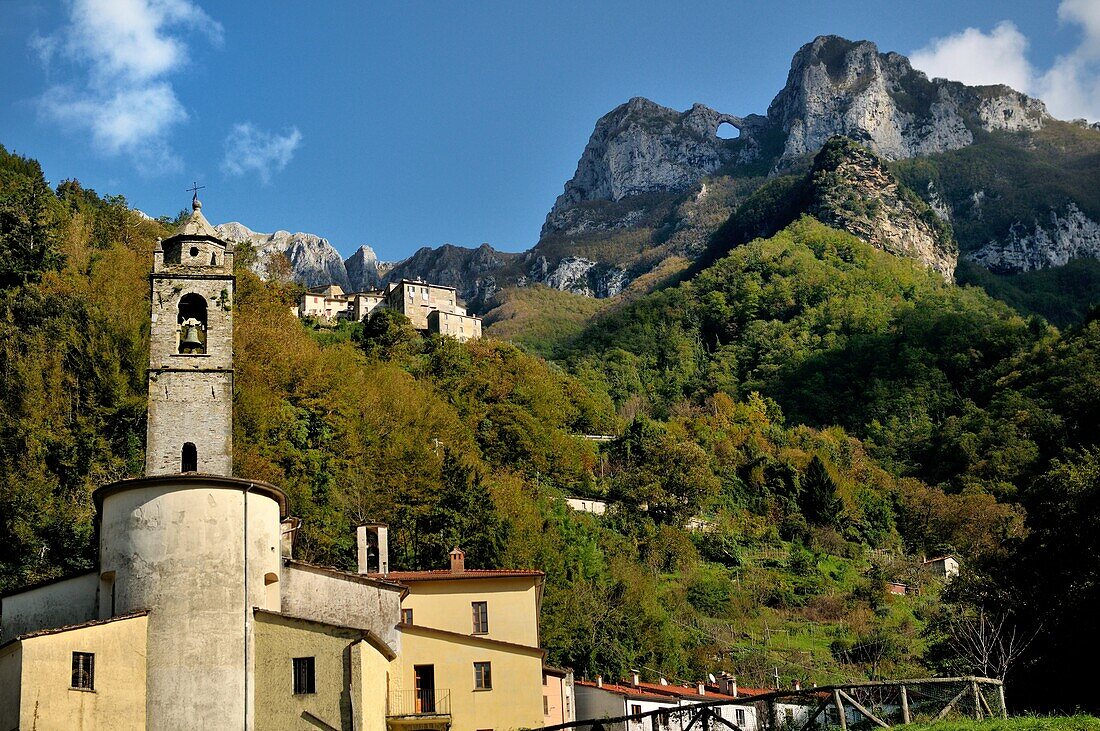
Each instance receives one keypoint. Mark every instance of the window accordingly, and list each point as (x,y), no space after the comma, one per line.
(740,715)
(189,458)
(662,718)
(635,709)
(305,679)
(483,676)
(481,617)
(84,670)
(407,616)
(546,705)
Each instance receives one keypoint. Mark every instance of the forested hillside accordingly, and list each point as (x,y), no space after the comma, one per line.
(796,426)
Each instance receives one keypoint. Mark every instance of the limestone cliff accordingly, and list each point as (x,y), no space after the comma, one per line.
(841,87)
(1039,244)
(313,260)
(852,189)
(642,147)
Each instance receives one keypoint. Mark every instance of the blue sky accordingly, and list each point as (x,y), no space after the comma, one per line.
(410,124)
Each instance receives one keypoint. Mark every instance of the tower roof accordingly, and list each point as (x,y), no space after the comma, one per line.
(196,225)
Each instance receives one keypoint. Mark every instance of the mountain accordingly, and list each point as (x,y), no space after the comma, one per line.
(313,260)
(654,182)
(1020,190)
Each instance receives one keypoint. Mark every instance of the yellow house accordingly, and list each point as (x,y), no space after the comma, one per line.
(83,676)
(470,658)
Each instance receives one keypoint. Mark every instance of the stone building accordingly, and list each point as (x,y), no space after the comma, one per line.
(433,308)
(198,616)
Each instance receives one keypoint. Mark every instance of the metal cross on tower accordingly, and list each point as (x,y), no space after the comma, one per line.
(195,188)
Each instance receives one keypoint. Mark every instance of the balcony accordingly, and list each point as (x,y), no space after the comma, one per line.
(427,709)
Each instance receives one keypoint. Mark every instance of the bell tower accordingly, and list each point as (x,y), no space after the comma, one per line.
(190,417)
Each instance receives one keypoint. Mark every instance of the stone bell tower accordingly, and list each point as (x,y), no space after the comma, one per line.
(190,419)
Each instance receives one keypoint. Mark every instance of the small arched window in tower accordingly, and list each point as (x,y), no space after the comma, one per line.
(192,324)
(214,259)
(189,459)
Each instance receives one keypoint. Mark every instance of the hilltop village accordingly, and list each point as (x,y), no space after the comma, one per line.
(433,308)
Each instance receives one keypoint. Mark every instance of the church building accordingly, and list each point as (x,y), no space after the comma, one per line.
(197,616)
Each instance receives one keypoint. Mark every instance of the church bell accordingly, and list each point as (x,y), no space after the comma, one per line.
(191,340)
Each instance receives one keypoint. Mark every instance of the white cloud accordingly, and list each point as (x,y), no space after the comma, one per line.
(1070,87)
(123,51)
(977,58)
(248,149)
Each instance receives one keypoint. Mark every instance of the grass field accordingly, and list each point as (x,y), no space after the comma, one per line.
(1021,723)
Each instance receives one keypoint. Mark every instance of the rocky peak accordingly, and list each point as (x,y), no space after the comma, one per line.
(642,147)
(313,260)
(852,189)
(841,87)
(364,269)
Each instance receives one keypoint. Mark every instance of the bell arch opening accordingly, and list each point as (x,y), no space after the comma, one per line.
(726,131)
(189,458)
(191,322)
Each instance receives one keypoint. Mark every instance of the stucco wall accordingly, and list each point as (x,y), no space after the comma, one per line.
(339,656)
(512,606)
(11,658)
(177,547)
(342,599)
(515,700)
(72,601)
(373,682)
(118,700)
(598,703)
(555,700)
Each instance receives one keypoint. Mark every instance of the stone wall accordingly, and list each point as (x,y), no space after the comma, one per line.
(190,395)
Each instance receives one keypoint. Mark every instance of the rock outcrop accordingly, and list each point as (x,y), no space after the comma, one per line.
(840,87)
(642,147)
(313,260)
(1041,244)
(853,190)
(364,269)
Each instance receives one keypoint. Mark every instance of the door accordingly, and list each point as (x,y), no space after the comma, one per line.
(424,676)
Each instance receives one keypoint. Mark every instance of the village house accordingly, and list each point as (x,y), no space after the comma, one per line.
(632,697)
(324,303)
(586,505)
(558,696)
(943,567)
(197,615)
(433,308)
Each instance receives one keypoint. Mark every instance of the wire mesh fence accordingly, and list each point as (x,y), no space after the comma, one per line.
(851,707)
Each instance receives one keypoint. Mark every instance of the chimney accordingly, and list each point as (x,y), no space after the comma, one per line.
(458,560)
(599,681)
(372,544)
(664,682)
(798,685)
(289,531)
(701,687)
(634,677)
(733,685)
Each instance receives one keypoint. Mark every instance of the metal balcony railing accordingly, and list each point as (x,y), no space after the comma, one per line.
(427,702)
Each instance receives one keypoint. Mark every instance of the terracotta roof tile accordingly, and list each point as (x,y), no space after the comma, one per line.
(441,574)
